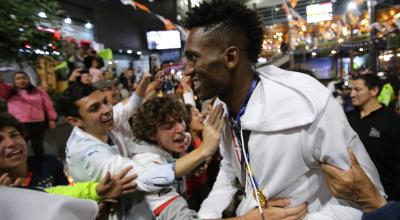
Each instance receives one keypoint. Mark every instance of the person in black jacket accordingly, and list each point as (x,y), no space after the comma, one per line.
(378,129)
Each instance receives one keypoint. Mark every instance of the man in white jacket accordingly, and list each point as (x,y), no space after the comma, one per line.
(282,124)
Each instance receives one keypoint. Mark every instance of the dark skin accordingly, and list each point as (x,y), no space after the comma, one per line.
(229,61)
(218,66)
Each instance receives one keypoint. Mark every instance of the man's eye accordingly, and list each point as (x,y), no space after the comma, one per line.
(15,135)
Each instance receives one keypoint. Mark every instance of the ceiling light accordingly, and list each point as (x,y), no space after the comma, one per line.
(351,6)
(88,25)
(67,20)
(42,14)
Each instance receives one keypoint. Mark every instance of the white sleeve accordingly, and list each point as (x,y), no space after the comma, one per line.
(221,194)
(328,140)
(124,110)
(98,160)
(188,98)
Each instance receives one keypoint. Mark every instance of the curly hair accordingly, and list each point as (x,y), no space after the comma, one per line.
(156,112)
(227,16)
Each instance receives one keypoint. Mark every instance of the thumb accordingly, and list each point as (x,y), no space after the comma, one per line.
(278,203)
(353,159)
(106,179)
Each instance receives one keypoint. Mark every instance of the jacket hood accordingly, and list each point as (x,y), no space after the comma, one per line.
(283,100)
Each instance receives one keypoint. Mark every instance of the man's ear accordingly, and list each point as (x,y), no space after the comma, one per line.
(375,91)
(74,121)
(231,57)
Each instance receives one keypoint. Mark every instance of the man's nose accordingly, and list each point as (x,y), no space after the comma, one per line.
(188,70)
(7,141)
(180,127)
(107,108)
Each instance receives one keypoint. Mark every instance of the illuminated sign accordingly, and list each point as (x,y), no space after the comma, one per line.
(319,12)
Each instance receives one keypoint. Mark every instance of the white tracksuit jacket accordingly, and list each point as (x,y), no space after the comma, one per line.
(295,124)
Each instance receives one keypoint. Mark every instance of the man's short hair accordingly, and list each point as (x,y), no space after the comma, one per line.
(155,112)
(7,120)
(71,95)
(370,80)
(103,84)
(224,18)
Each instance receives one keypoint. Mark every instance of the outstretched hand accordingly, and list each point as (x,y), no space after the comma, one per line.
(185,84)
(119,184)
(212,131)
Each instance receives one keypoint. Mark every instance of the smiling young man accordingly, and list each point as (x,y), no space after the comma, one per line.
(281,122)
(378,128)
(34,171)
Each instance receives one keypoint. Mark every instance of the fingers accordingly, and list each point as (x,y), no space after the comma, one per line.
(5,180)
(106,179)
(297,211)
(128,191)
(221,125)
(129,187)
(278,203)
(353,159)
(299,215)
(123,172)
(128,179)
(212,116)
(215,115)
(330,170)
(18,182)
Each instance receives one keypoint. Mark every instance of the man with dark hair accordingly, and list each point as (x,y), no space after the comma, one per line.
(281,125)
(378,128)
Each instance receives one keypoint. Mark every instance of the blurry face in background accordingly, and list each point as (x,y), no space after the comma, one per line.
(128,74)
(108,75)
(197,122)
(361,94)
(94,63)
(21,80)
(13,149)
(86,78)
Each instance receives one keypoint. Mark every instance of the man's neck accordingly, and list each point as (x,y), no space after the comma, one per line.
(369,107)
(239,90)
(101,136)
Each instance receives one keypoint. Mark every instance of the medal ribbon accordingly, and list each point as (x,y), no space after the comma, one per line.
(236,125)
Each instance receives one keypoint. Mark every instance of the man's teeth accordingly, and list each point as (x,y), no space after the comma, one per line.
(196,84)
(14,153)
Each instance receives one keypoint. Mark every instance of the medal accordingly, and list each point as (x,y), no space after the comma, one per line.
(261,197)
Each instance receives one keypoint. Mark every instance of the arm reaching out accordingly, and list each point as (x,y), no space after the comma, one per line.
(211,136)
(111,187)
(353,185)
